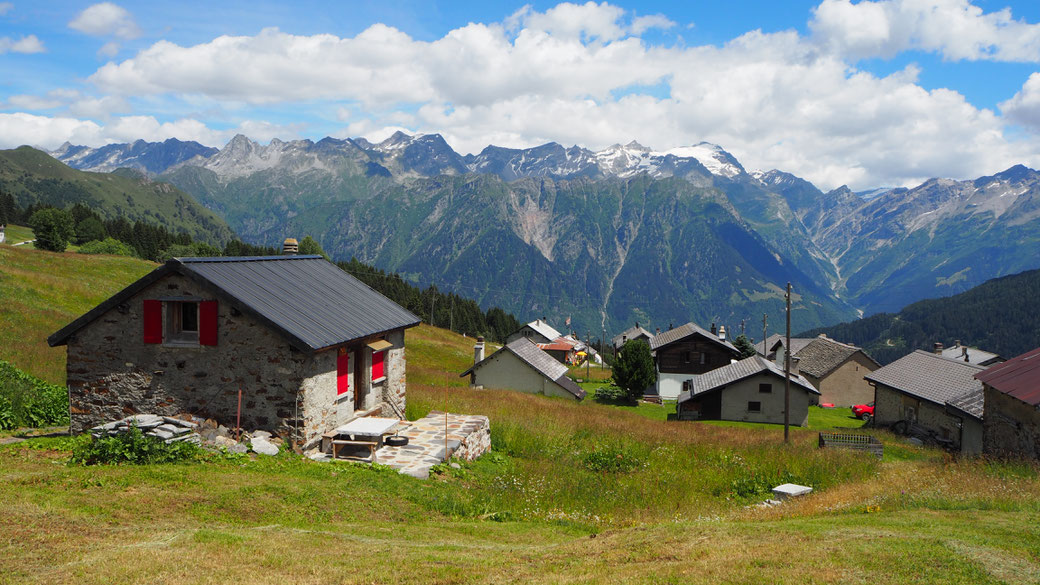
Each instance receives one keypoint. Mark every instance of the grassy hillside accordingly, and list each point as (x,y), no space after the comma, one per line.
(998,316)
(573,492)
(33,176)
(41,292)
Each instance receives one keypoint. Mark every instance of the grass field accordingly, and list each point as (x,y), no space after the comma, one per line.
(572,493)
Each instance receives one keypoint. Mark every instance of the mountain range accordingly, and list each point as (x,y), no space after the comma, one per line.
(610,237)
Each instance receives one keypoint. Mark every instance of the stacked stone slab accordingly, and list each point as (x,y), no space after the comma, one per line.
(169,429)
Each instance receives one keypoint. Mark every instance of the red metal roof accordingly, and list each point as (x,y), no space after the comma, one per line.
(555,346)
(1018,377)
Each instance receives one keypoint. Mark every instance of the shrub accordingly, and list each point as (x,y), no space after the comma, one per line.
(108,246)
(133,448)
(27,401)
(611,394)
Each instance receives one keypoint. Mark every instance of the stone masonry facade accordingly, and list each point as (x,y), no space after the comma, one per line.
(1011,427)
(112,373)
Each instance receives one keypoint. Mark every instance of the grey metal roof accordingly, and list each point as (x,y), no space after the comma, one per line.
(975,355)
(306,298)
(822,355)
(543,363)
(738,371)
(544,329)
(929,376)
(797,343)
(684,331)
(970,404)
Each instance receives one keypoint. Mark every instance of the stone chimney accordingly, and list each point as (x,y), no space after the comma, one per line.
(290,247)
(794,366)
(713,330)
(937,348)
(658,331)
(478,351)
(722,332)
(964,352)
(957,343)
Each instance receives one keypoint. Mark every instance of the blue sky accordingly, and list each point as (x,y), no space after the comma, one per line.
(868,93)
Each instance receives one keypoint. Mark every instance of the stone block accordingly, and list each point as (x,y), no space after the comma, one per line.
(790,490)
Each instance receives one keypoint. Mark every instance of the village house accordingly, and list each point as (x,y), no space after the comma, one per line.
(972,355)
(836,370)
(1011,392)
(308,346)
(684,352)
(750,390)
(936,395)
(537,331)
(520,365)
(632,333)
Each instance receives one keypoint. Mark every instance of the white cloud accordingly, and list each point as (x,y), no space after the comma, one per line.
(956,29)
(27,44)
(1024,107)
(573,74)
(109,49)
(5,7)
(106,20)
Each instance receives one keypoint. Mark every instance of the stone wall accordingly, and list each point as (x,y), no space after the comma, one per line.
(112,373)
(1011,427)
(476,433)
(892,406)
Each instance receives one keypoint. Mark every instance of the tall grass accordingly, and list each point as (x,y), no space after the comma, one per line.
(27,401)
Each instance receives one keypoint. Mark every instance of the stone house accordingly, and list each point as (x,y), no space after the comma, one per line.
(750,390)
(308,346)
(684,352)
(931,392)
(836,369)
(1011,392)
(520,365)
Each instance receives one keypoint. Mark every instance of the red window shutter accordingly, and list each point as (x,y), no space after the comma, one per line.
(377,364)
(152,321)
(342,372)
(208,323)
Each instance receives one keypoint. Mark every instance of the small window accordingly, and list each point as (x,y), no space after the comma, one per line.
(754,407)
(686,357)
(765,388)
(182,322)
(704,358)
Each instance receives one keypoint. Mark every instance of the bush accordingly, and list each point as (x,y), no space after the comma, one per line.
(133,448)
(27,401)
(108,246)
(611,394)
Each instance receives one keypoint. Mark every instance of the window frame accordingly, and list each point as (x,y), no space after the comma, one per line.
(757,408)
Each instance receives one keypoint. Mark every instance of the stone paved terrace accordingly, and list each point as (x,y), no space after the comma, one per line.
(468,437)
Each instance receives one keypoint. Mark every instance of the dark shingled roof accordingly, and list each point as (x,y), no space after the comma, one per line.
(1018,377)
(633,332)
(797,343)
(822,355)
(543,363)
(305,298)
(969,404)
(928,376)
(736,372)
(684,331)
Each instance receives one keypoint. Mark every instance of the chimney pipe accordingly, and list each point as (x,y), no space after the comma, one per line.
(478,350)
(658,331)
(957,343)
(290,247)
(713,331)
(722,332)
(937,347)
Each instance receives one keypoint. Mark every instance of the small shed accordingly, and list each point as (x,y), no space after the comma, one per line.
(1011,392)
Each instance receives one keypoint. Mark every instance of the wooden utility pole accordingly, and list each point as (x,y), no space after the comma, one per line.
(765,350)
(588,352)
(787,372)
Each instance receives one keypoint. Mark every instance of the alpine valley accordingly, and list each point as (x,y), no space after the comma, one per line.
(611,237)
